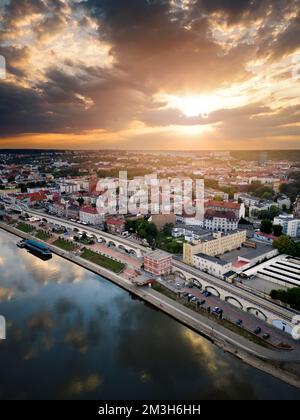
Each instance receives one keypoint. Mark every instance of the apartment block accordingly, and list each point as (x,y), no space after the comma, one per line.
(216,244)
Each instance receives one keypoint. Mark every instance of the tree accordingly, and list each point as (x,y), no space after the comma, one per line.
(291,296)
(266,226)
(146,230)
(167,229)
(218,198)
(286,245)
(80,201)
(277,230)
(244,222)
(130,225)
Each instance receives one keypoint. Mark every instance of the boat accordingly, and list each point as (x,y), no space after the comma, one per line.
(38,249)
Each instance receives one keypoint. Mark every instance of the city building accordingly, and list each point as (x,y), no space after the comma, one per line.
(284,202)
(223,221)
(247,199)
(251,255)
(212,265)
(290,225)
(265,237)
(296,208)
(216,244)
(282,270)
(263,158)
(72,211)
(91,216)
(69,188)
(263,206)
(227,206)
(115,225)
(158,263)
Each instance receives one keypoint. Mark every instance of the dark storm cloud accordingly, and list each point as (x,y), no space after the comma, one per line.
(15,56)
(165,47)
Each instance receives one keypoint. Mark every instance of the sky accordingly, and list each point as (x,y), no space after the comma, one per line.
(150,74)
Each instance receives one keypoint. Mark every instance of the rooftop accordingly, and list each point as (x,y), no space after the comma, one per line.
(158,255)
(223,204)
(211,214)
(212,259)
(88,209)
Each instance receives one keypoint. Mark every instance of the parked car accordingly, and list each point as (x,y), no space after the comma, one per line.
(266,336)
(217,311)
(194,299)
(257,330)
(201,302)
(239,322)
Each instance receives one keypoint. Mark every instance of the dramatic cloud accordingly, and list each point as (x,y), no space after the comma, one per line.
(114,73)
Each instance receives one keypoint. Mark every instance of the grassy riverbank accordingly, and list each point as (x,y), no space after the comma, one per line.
(105,262)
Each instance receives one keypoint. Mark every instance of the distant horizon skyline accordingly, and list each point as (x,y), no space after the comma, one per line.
(150,74)
(145,150)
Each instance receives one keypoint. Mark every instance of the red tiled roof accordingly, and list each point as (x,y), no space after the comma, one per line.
(117,222)
(223,204)
(88,209)
(39,196)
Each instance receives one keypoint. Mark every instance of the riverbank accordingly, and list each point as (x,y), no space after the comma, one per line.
(276,363)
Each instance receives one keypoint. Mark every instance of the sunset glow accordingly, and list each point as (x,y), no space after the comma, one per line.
(224,73)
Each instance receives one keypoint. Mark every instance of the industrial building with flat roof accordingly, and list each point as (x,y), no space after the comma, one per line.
(283,270)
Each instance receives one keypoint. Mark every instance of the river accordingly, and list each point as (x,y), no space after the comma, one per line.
(74,335)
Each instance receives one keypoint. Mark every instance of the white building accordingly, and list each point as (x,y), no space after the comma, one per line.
(247,199)
(220,221)
(212,265)
(91,216)
(69,188)
(264,206)
(290,225)
(284,201)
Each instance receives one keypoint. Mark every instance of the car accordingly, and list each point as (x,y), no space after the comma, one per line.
(239,322)
(185,295)
(217,311)
(190,295)
(257,330)
(266,336)
(194,299)
(201,302)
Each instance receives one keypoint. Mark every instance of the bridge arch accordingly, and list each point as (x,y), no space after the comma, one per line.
(257,312)
(213,291)
(233,301)
(196,282)
(132,252)
(179,274)
(122,248)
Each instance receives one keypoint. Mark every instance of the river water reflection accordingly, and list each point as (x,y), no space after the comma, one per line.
(72,334)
